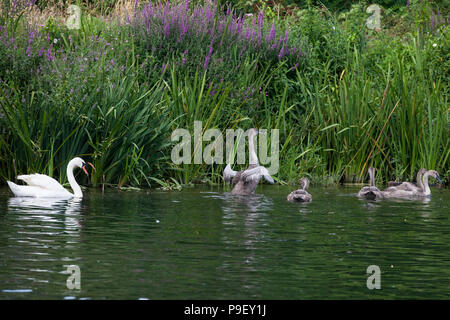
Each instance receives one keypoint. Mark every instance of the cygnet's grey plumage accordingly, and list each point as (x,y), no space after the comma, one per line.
(393,192)
(370,192)
(408,186)
(301,195)
(246,181)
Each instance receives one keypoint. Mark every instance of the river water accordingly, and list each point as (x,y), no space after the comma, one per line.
(203,243)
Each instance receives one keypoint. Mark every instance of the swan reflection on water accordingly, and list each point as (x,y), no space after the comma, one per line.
(250,209)
(248,217)
(231,204)
(48,210)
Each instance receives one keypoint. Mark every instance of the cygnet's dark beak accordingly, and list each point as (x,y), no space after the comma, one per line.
(439,179)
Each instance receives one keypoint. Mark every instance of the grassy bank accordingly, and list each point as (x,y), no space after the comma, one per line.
(343,97)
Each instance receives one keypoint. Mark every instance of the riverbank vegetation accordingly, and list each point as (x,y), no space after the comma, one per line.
(344,97)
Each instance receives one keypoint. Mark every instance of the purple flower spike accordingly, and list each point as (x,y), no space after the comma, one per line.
(286,37)
(260,19)
(271,36)
(50,57)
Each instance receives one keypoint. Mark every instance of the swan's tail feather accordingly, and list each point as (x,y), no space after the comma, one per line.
(14,187)
(22,191)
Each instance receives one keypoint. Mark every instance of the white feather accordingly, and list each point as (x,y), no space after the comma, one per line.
(255,174)
(228,173)
(42,181)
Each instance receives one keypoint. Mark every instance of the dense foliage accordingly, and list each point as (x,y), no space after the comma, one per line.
(343,97)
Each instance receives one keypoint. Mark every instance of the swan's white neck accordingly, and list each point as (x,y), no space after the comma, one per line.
(426,188)
(77,193)
(251,149)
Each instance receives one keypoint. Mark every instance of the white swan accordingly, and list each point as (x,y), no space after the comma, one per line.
(41,185)
(246,181)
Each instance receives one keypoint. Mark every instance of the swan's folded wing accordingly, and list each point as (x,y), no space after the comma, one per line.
(300,196)
(404,186)
(256,173)
(408,186)
(228,173)
(41,180)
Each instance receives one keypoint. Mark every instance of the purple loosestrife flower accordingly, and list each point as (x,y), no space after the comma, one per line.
(279,42)
(228,10)
(30,37)
(50,57)
(281,54)
(286,36)
(207,58)
(166,29)
(260,19)
(240,23)
(271,36)
(247,33)
(136,3)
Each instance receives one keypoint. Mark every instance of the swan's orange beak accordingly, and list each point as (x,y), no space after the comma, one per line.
(84,168)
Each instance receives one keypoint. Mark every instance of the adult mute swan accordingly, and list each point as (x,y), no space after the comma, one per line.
(370,192)
(246,181)
(301,195)
(393,192)
(41,185)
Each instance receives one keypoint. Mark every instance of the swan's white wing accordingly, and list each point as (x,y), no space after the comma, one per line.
(256,173)
(37,192)
(228,173)
(42,181)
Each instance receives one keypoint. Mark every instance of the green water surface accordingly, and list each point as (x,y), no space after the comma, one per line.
(203,243)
